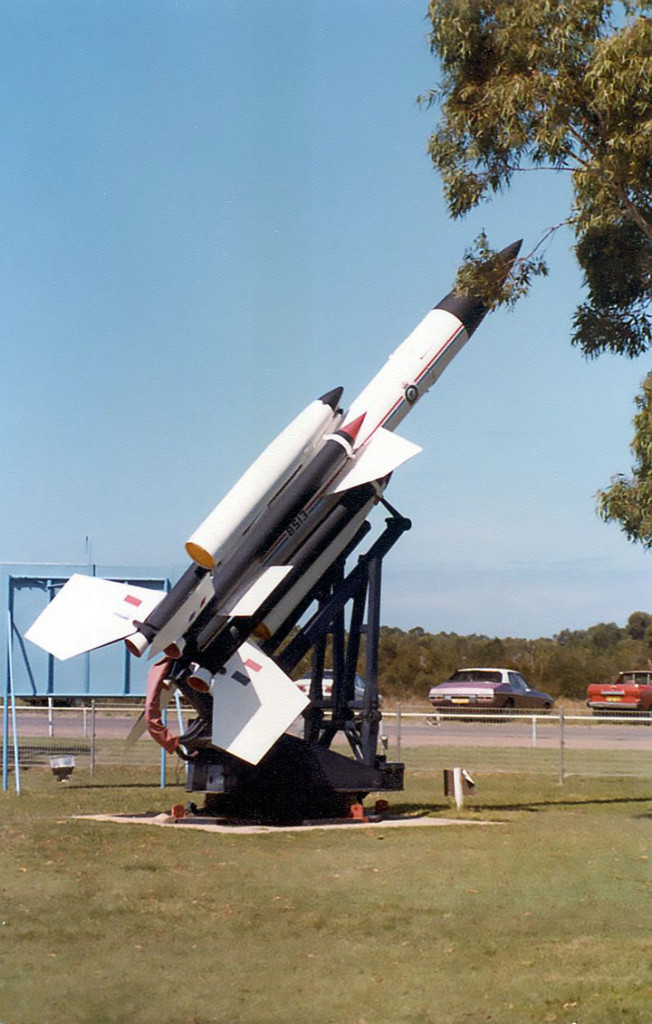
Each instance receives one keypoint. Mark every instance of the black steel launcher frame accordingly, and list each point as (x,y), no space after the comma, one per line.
(303,776)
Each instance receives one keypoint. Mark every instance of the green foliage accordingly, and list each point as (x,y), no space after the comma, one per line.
(629,502)
(482,273)
(562,86)
(638,624)
(411,662)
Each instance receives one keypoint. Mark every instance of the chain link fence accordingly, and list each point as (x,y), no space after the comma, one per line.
(557,744)
(89,737)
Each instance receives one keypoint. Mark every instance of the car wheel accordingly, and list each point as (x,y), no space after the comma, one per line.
(508,706)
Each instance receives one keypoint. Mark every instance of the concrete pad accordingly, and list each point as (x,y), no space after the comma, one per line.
(246,828)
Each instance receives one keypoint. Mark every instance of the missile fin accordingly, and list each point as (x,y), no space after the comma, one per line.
(247,601)
(381,455)
(139,727)
(254,702)
(89,612)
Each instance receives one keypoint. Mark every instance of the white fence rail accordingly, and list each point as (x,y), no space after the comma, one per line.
(93,735)
(557,742)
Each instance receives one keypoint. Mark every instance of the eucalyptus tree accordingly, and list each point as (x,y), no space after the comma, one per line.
(562,86)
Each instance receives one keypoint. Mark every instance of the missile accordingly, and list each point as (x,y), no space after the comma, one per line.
(259,553)
(412,369)
(223,528)
(213,540)
(309,563)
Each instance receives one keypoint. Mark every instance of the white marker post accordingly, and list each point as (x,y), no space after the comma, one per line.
(457,782)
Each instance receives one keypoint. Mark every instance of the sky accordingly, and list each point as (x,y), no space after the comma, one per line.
(214,211)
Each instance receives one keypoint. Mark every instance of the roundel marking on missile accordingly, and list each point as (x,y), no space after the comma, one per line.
(411,393)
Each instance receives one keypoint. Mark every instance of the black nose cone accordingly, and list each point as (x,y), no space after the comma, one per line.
(469,308)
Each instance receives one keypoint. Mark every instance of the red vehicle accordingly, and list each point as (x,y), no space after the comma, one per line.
(632,691)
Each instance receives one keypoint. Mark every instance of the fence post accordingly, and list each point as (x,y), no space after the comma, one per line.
(561,746)
(534,730)
(458,792)
(398,730)
(10,695)
(5,739)
(92,738)
(50,718)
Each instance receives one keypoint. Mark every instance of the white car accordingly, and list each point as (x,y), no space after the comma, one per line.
(327,685)
(488,688)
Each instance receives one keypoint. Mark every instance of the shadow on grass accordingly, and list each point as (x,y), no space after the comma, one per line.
(124,785)
(530,806)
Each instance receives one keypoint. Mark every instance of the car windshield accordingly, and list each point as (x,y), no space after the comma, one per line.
(475,675)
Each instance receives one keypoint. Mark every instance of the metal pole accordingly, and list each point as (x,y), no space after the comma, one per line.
(92,738)
(5,733)
(12,695)
(534,730)
(5,706)
(372,717)
(398,730)
(561,746)
(50,718)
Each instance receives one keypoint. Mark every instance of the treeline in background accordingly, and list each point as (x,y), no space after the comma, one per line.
(563,665)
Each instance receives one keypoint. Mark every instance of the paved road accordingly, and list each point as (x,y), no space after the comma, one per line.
(588,734)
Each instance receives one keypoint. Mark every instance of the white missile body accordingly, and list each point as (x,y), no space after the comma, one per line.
(408,373)
(312,479)
(219,533)
(284,607)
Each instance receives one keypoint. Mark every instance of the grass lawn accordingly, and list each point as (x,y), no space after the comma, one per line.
(541,916)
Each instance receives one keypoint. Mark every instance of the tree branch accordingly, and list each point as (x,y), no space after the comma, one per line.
(632,211)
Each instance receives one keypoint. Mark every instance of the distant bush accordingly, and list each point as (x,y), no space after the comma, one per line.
(563,665)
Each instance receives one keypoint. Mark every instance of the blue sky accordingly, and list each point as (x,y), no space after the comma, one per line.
(214,211)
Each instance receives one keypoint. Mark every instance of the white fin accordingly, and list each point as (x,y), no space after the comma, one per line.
(139,727)
(254,702)
(89,612)
(381,455)
(246,600)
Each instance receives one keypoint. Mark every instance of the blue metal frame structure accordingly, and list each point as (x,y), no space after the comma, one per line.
(33,674)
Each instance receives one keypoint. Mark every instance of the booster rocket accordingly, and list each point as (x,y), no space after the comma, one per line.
(259,552)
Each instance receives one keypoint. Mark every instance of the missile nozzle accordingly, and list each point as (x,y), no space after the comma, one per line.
(136,644)
(200,679)
(175,649)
